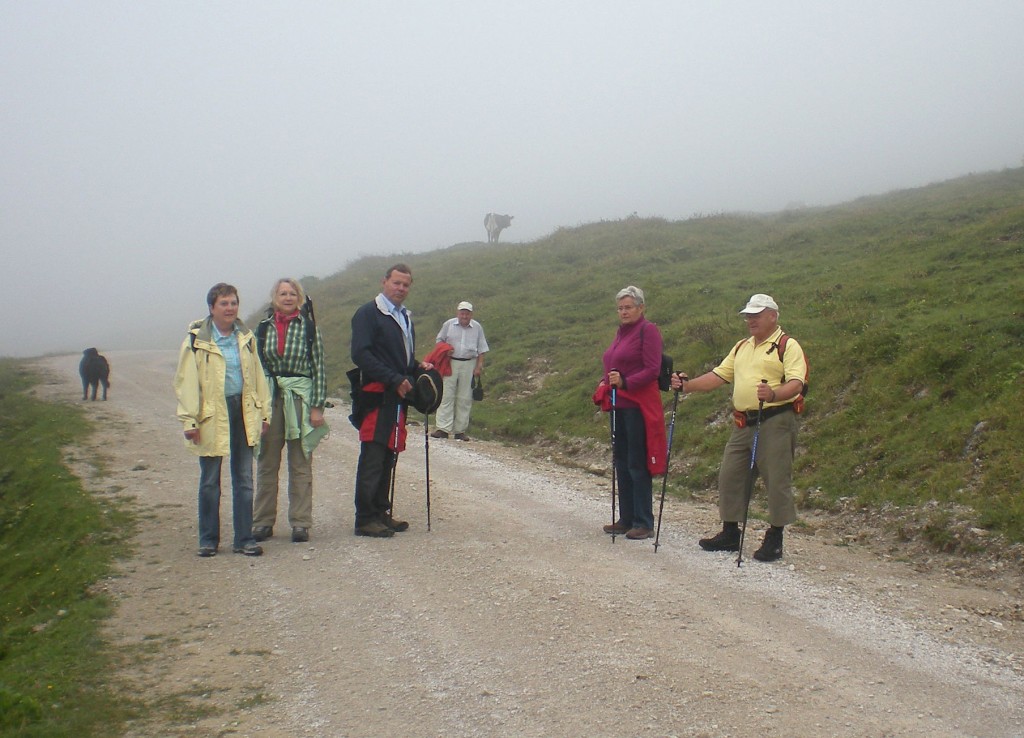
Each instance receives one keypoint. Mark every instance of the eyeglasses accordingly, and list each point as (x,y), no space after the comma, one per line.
(626,308)
(750,316)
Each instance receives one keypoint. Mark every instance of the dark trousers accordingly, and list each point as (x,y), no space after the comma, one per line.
(373,482)
(635,484)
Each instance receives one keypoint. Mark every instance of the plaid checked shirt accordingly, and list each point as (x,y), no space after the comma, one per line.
(295,362)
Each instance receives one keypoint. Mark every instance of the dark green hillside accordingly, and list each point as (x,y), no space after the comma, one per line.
(908,304)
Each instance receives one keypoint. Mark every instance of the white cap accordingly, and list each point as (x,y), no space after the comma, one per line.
(759,302)
(466,306)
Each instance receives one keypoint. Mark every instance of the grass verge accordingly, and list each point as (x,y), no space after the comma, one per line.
(56,541)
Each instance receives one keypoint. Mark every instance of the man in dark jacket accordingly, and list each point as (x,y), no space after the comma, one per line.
(383,346)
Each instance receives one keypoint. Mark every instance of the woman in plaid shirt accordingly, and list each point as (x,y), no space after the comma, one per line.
(292,351)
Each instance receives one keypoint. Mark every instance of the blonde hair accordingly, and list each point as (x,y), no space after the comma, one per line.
(294,283)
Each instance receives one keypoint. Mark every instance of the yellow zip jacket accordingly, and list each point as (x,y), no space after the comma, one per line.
(199,385)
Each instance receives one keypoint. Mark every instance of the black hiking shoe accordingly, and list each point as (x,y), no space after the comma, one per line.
(771,548)
(262,532)
(398,526)
(374,529)
(727,540)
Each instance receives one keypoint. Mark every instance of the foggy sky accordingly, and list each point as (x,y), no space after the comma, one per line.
(152,149)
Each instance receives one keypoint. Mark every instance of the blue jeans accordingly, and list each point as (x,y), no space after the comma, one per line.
(636,506)
(241,486)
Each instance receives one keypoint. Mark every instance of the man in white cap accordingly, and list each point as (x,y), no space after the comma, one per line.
(768,387)
(466,337)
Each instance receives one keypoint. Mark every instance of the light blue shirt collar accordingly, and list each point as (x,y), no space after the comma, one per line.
(228,346)
(403,317)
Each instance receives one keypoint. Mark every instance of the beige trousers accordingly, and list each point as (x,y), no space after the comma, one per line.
(268,468)
(776,444)
(457,399)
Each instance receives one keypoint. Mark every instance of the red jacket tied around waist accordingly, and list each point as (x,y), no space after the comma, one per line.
(648,399)
(369,430)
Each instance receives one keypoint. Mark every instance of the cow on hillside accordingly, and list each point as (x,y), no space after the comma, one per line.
(95,370)
(495,224)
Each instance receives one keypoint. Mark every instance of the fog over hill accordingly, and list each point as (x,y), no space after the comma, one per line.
(152,151)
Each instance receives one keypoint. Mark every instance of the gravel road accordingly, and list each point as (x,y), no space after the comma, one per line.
(514,615)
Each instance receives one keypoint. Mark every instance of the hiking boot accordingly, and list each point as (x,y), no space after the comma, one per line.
(398,526)
(461,437)
(262,533)
(639,534)
(439,434)
(727,540)
(771,548)
(374,529)
(617,528)
(300,535)
(249,549)
(207,551)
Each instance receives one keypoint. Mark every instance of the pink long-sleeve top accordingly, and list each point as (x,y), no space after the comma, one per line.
(636,353)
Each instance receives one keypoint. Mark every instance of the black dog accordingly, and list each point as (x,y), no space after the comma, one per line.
(95,370)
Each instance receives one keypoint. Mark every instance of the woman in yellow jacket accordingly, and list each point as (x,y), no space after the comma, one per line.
(224,404)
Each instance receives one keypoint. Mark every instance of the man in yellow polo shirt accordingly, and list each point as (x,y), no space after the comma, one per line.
(750,362)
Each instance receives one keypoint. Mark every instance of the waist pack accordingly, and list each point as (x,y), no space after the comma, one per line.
(742,419)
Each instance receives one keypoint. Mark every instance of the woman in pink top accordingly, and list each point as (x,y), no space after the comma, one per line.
(631,366)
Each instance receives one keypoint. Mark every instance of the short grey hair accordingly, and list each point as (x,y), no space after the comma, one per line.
(635,292)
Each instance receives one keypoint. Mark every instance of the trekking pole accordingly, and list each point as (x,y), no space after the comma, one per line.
(394,465)
(612,419)
(426,457)
(668,457)
(750,479)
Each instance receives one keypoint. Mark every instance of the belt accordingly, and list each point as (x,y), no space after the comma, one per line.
(469,359)
(768,412)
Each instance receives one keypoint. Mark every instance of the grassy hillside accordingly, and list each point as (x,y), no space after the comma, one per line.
(908,306)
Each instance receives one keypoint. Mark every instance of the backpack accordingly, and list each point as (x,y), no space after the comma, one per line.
(665,370)
(780,346)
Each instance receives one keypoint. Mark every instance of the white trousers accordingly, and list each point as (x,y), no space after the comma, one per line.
(457,400)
